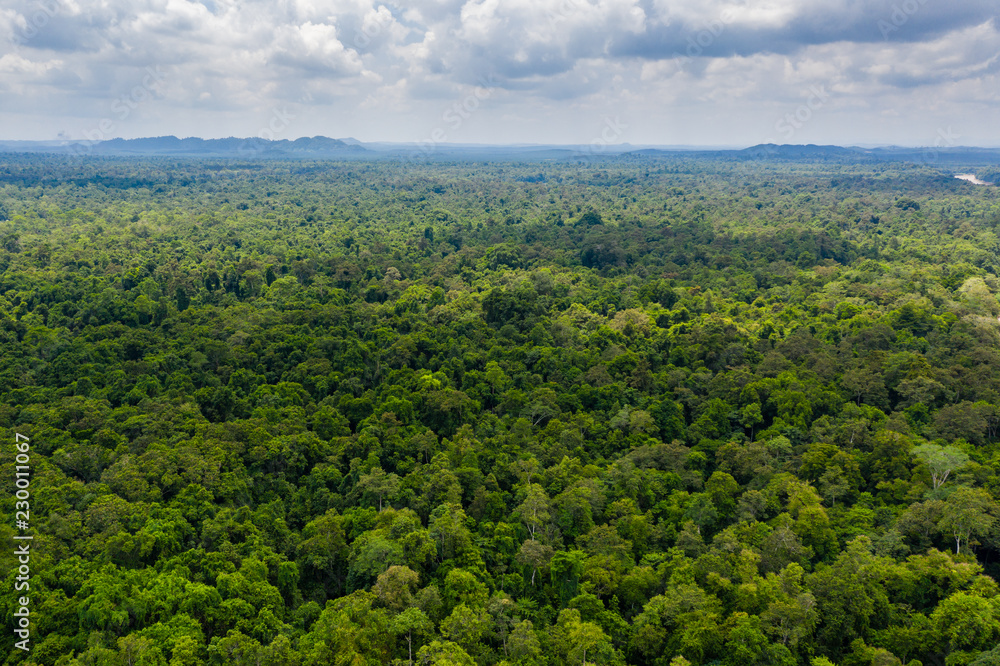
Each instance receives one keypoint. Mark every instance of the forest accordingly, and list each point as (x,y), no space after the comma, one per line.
(655,410)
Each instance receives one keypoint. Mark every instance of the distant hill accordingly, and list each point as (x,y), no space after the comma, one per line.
(317,146)
(791,151)
(320,147)
(930,155)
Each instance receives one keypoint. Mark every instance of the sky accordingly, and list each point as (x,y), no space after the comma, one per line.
(592,72)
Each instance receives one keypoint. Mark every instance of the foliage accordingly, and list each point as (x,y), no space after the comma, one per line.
(645,410)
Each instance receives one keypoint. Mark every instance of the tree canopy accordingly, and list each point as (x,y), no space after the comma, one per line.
(649,410)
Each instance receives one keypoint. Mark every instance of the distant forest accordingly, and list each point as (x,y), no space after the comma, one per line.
(652,409)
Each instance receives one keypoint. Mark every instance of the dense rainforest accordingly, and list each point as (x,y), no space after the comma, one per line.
(652,410)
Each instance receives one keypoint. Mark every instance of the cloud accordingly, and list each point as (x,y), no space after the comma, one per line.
(230,62)
(723,29)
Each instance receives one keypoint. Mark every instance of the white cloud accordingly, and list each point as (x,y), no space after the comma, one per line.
(385,69)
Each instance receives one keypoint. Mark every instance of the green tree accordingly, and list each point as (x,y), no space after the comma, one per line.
(395,586)
(410,622)
(379,485)
(534,510)
(968,513)
(941,461)
(566,568)
(466,626)
(966,622)
(535,555)
(444,653)
(524,646)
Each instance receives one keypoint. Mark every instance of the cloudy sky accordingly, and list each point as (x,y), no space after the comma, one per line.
(693,72)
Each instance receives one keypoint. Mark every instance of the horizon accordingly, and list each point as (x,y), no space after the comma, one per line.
(608,147)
